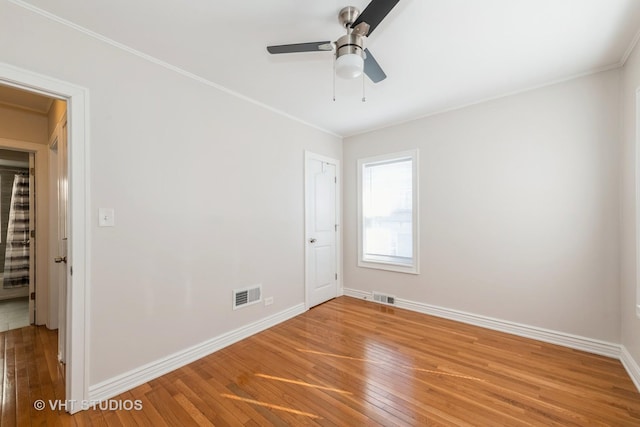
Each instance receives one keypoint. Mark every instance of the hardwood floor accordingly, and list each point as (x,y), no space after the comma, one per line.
(346,363)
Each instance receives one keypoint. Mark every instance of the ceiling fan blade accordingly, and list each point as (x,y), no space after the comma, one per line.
(375,13)
(372,69)
(301,47)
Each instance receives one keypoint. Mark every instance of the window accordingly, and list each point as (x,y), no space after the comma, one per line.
(388,212)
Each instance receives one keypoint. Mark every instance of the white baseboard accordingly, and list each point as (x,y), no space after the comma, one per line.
(128,380)
(631,366)
(356,293)
(568,340)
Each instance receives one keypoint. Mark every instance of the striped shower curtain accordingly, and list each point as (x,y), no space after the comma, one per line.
(16,261)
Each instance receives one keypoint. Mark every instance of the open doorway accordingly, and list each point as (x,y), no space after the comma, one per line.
(28,203)
(32,190)
(76,268)
(16,248)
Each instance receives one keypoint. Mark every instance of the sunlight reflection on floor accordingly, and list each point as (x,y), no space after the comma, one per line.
(393,365)
(270,406)
(302,383)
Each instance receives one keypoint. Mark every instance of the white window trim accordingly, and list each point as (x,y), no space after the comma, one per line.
(414,268)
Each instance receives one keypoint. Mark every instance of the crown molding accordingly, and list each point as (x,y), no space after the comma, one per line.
(164,64)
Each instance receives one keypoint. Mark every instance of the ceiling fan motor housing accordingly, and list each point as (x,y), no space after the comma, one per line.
(349,43)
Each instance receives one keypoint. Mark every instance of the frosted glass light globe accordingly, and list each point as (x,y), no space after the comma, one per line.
(349,66)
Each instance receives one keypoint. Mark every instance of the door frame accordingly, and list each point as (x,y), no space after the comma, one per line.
(77,98)
(308,155)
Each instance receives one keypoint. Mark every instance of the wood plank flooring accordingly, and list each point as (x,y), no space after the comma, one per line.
(345,363)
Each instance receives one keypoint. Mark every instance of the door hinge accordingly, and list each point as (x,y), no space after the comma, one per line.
(32,233)
(335,226)
(32,295)
(335,179)
(336,276)
(32,171)
(71,271)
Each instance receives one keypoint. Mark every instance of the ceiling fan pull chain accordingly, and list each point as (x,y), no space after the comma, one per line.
(364,98)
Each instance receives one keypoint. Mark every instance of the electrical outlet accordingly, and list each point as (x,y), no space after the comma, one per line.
(268,301)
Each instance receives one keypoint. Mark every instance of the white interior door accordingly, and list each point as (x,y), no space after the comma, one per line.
(59,152)
(321,229)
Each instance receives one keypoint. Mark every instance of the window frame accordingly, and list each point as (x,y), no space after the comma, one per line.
(414,266)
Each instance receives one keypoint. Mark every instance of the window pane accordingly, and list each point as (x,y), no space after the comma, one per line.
(387,211)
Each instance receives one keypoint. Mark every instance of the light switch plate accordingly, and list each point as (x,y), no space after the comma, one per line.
(106,217)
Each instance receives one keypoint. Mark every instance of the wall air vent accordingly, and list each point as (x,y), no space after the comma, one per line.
(247,296)
(385,299)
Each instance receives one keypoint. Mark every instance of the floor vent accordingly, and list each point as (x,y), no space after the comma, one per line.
(385,299)
(247,296)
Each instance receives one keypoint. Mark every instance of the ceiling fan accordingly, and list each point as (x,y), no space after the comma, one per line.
(351,57)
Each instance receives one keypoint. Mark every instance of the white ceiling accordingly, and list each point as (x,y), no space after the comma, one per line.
(438,54)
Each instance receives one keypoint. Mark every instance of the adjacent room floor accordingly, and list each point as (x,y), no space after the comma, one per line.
(14,313)
(347,362)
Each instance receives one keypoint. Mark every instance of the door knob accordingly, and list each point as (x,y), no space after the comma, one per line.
(312,240)
(59,259)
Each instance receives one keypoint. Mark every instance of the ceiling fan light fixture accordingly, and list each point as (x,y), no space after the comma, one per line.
(349,66)
(349,56)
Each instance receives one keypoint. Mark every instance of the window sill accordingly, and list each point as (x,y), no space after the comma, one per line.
(398,268)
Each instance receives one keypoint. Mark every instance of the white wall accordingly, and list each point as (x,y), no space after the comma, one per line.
(518,208)
(628,189)
(207,190)
(22,125)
